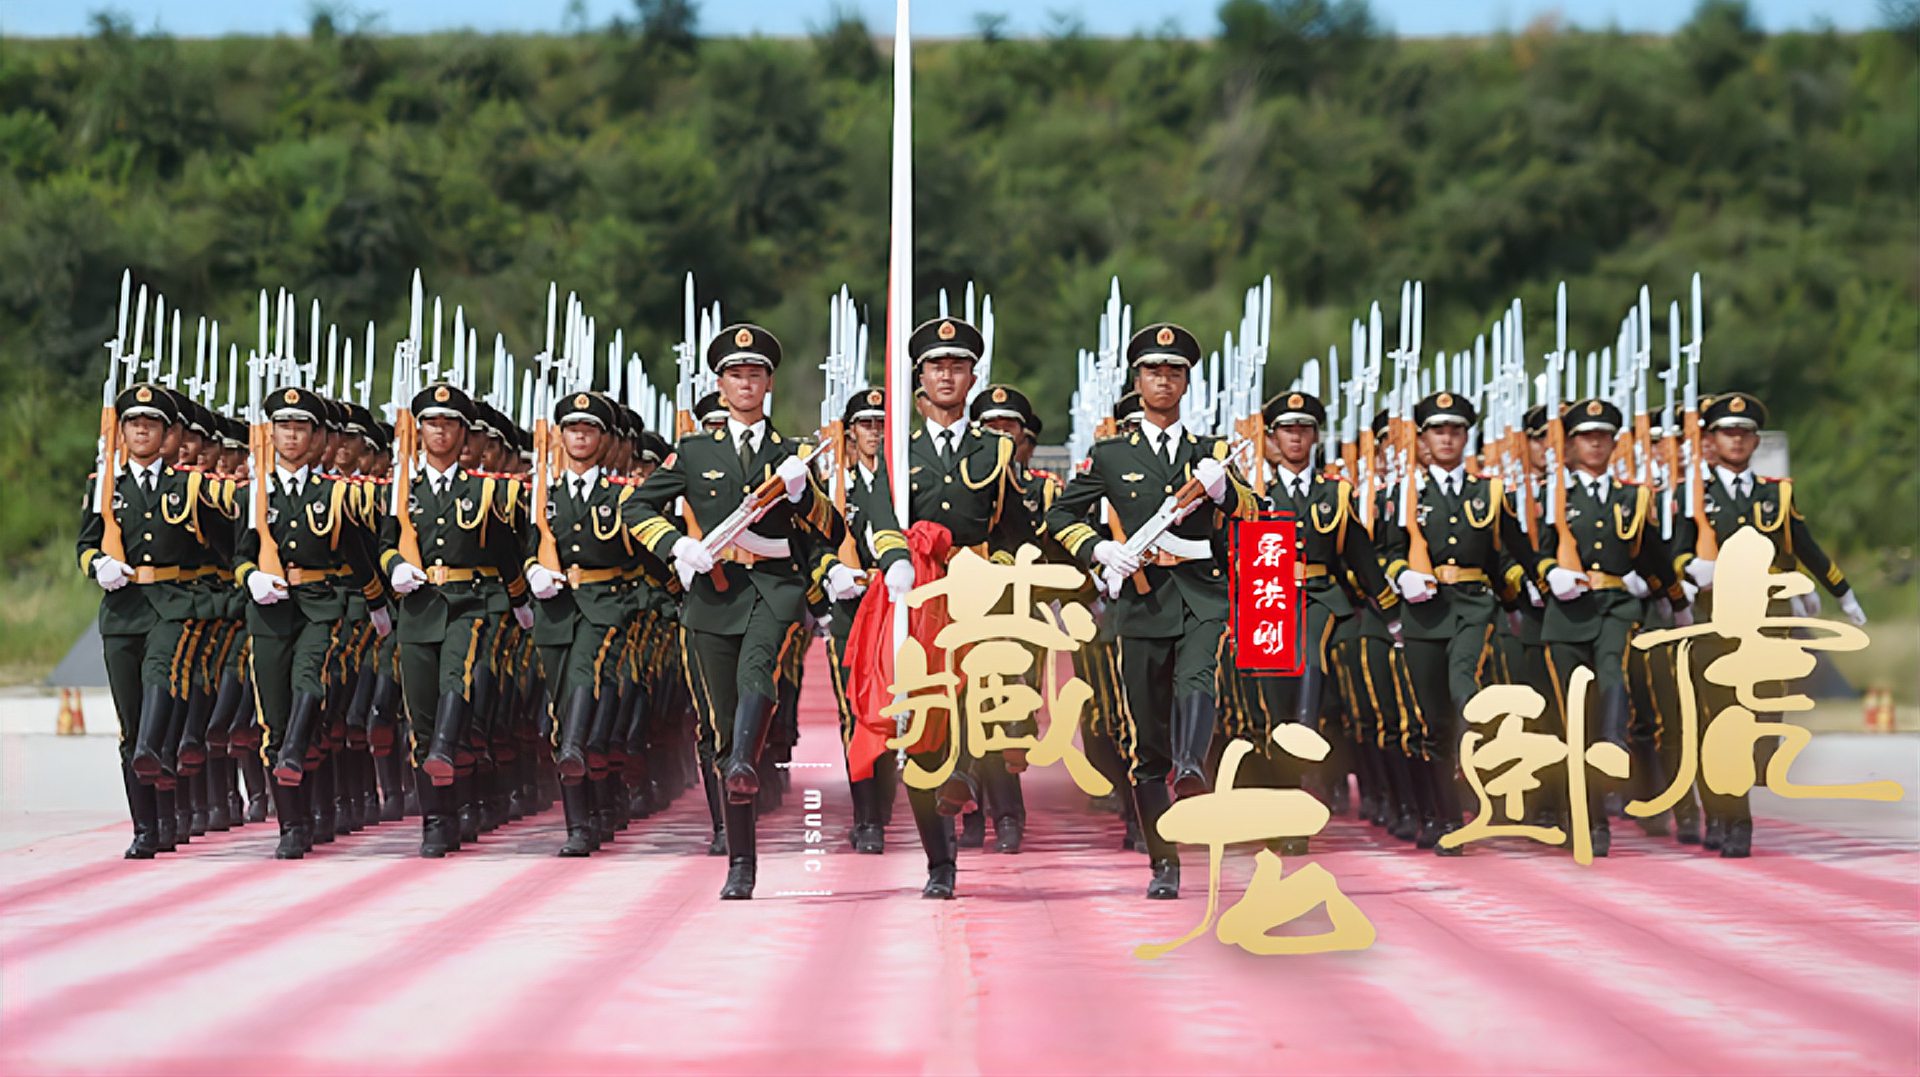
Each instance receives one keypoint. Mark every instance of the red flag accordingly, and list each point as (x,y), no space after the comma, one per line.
(869,657)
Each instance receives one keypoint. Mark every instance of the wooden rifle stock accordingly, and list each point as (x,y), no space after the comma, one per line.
(112,543)
(548,551)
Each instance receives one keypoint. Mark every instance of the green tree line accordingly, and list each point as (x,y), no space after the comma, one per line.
(1301,140)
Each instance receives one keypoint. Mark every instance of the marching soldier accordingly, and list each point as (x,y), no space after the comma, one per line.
(1451,601)
(1738,497)
(743,599)
(156,510)
(1593,611)
(1330,545)
(444,612)
(873,545)
(295,619)
(582,611)
(1172,605)
(961,477)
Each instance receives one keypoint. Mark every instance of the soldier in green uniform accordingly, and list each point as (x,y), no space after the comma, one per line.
(444,607)
(1329,545)
(582,614)
(743,599)
(1103,723)
(148,596)
(296,618)
(1593,610)
(1737,497)
(1451,599)
(1171,608)
(961,477)
(873,545)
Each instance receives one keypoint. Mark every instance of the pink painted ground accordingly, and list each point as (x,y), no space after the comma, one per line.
(1805,959)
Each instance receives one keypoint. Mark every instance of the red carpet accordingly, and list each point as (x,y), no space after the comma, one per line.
(505,959)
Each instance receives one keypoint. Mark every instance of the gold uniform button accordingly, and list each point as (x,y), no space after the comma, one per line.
(948,478)
(148,536)
(146,557)
(576,547)
(1451,561)
(1453,519)
(576,527)
(440,520)
(945,505)
(439,542)
(149,515)
(1451,541)
(1596,546)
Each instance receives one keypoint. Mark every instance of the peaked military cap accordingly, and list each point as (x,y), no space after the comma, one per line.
(1294,409)
(1595,414)
(293,404)
(1003,402)
(1535,421)
(583,408)
(1733,410)
(710,409)
(742,344)
(945,338)
(870,403)
(148,401)
(1128,409)
(443,401)
(1443,408)
(1162,345)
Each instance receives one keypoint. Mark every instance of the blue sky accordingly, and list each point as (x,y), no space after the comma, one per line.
(931,17)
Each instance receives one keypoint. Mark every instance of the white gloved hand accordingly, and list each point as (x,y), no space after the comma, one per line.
(1700,571)
(543,581)
(793,472)
(692,557)
(1812,602)
(900,580)
(1692,592)
(1850,605)
(1566,584)
(1212,475)
(406,577)
(1116,558)
(843,583)
(523,616)
(382,622)
(1416,586)
(1533,596)
(110,573)
(1636,585)
(265,587)
(1394,630)
(1683,618)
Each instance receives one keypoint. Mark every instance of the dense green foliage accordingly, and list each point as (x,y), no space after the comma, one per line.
(1301,142)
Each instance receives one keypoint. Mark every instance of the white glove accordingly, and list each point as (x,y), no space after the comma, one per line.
(1394,630)
(843,583)
(1533,596)
(1683,618)
(691,557)
(1687,588)
(899,579)
(523,616)
(382,622)
(543,581)
(1416,586)
(1212,475)
(1116,558)
(1812,601)
(1566,584)
(1700,571)
(1636,585)
(407,577)
(111,574)
(1850,605)
(793,472)
(265,587)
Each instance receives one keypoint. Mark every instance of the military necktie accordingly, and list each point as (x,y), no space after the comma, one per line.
(746,451)
(946,447)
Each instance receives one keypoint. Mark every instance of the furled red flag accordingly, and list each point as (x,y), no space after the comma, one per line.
(870,656)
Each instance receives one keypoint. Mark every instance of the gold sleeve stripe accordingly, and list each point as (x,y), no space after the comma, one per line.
(1516,575)
(86,561)
(887,541)
(387,559)
(1076,535)
(1395,567)
(1834,575)
(371,590)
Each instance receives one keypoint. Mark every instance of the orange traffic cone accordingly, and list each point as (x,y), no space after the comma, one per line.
(1879,710)
(71,722)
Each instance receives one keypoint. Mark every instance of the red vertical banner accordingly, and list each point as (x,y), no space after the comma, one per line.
(1265,596)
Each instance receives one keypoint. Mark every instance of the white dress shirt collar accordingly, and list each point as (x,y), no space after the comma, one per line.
(1729,477)
(291,481)
(439,479)
(735,428)
(1155,433)
(958,430)
(585,480)
(1454,480)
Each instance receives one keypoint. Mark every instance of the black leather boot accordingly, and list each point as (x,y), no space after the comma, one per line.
(195,788)
(1686,820)
(573,802)
(193,738)
(156,706)
(294,831)
(741,858)
(1152,799)
(448,718)
(1192,737)
(1738,844)
(291,764)
(576,721)
(167,835)
(392,797)
(710,781)
(936,837)
(751,719)
(435,828)
(144,809)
